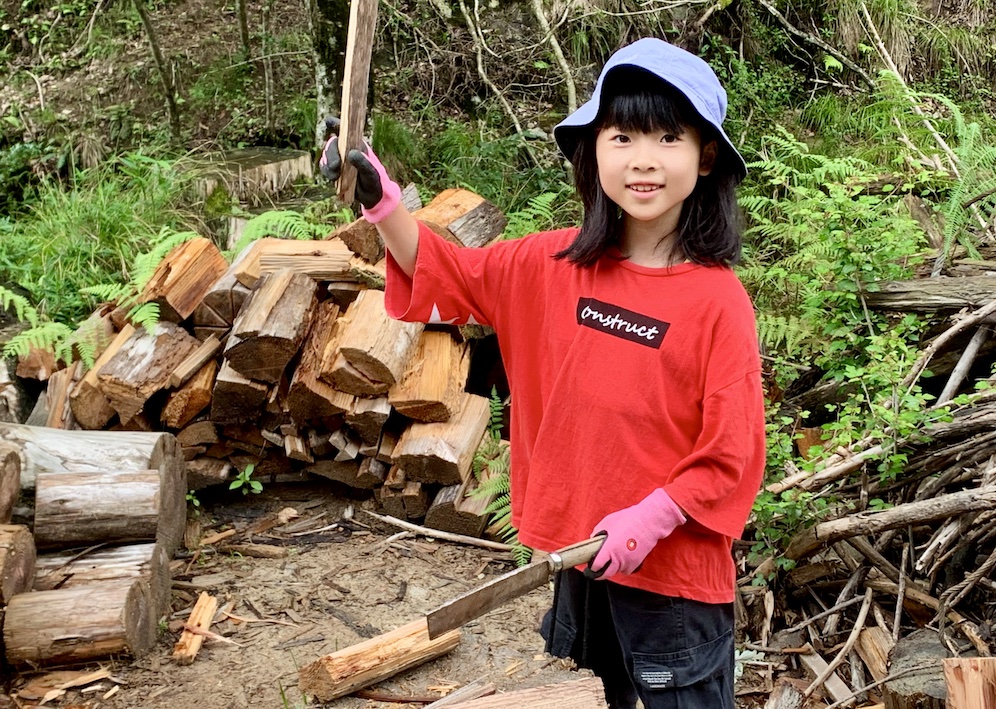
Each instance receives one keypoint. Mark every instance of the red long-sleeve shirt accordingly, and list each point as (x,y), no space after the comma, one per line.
(623,379)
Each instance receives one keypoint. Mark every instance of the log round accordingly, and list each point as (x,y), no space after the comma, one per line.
(17,560)
(54,451)
(73,509)
(80,624)
(147,562)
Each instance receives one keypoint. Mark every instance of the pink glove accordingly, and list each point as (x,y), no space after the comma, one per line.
(377,193)
(632,533)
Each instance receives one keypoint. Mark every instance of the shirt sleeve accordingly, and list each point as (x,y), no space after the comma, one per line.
(716,484)
(451,285)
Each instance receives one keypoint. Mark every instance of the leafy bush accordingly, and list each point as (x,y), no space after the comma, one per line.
(89,232)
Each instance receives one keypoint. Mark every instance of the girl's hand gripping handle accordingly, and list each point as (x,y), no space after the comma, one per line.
(632,533)
(377,193)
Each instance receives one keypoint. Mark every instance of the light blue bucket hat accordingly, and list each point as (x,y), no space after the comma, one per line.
(684,71)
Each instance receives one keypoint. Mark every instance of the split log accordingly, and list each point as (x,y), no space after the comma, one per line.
(195,362)
(455,510)
(90,406)
(57,392)
(463,217)
(922,511)
(932,294)
(347,378)
(143,366)
(874,646)
(367,418)
(199,433)
(111,506)
(37,364)
(788,694)
(296,448)
(971,682)
(444,452)
(373,660)
(587,693)
(330,260)
(410,502)
(360,34)
(919,682)
(200,619)
(183,278)
(378,346)
(430,389)
(190,399)
(79,624)
(371,473)
(146,562)
(271,326)
(236,398)
(205,472)
(10,480)
(222,303)
(342,471)
(817,666)
(250,266)
(50,450)
(362,237)
(17,561)
(308,397)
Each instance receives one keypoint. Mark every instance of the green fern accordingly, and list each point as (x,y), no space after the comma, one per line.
(538,215)
(492,470)
(281,224)
(23,310)
(52,336)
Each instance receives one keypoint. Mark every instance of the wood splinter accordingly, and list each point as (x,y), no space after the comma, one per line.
(199,623)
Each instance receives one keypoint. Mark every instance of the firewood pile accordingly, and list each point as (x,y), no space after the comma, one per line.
(109,512)
(286,363)
(889,604)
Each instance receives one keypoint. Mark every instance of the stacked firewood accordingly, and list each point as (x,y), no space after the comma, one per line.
(285,363)
(109,512)
(886,603)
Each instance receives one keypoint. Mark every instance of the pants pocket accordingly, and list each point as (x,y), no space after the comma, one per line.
(701,676)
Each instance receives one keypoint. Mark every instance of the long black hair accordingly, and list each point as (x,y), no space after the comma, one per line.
(709,225)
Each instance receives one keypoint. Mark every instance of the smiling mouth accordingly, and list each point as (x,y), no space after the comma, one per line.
(644,188)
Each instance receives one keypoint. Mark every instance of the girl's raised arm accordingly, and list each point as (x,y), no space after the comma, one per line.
(380,198)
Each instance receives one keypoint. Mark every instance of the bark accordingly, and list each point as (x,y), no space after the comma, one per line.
(17,561)
(164,74)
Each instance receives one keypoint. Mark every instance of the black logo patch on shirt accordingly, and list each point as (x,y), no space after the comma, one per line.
(620,322)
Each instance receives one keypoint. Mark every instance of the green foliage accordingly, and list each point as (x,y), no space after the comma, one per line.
(244,481)
(280,224)
(89,231)
(17,176)
(538,215)
(491,468)
(193,501)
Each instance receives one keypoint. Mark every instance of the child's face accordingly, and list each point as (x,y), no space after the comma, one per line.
(649,175)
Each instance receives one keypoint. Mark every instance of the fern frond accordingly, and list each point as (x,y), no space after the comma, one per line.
(23,309)
(51,336)
(281,224)
(145,315)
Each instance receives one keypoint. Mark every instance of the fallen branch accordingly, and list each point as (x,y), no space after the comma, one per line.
(437,534)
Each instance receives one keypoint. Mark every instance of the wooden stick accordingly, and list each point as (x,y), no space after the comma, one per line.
(200,620)
(960,371)
(359,47)
(447,536)
(859,625)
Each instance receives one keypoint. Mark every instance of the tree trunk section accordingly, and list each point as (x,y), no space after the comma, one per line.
(922,688)
(17,561)
(373,661)
(73,509)
(236,399)
(147,562)
(189,400)
(80,624)
(928,295)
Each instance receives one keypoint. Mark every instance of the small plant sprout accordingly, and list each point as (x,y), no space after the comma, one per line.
(243,481)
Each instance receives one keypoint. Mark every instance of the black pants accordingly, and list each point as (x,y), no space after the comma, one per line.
(672,653)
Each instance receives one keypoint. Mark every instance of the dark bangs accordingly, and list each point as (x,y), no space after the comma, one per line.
(641,102)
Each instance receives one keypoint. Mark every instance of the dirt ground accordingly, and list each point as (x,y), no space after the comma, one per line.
(337,586)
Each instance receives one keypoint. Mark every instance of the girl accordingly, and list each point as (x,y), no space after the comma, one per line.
(630,349)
